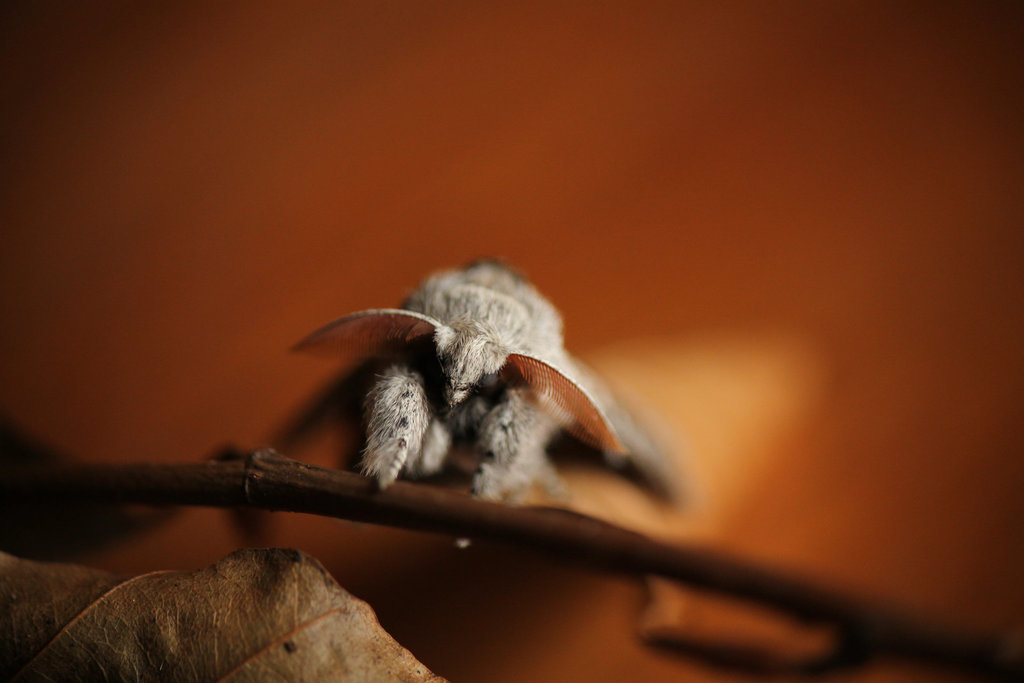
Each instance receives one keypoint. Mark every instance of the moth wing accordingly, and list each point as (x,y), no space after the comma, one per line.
(565,400)
(368,333)
(649,454)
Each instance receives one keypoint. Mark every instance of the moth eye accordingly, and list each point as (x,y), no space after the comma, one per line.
(489,380)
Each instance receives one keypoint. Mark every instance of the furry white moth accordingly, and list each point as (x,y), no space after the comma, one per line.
(477,356)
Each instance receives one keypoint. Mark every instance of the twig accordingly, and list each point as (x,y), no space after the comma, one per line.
(266,480)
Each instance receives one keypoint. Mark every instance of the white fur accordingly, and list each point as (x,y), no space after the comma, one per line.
(481,314)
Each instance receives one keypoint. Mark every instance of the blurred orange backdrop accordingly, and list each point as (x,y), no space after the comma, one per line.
(188,189)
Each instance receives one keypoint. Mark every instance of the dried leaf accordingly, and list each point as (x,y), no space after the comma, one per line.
(254,615)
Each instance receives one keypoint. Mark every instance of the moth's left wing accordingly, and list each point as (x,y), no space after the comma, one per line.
(565,400)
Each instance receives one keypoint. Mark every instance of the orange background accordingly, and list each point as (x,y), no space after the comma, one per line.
(187,190)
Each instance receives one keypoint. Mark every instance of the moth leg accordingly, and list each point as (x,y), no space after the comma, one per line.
(512,439)
(397,416)
(552,483)
(436,443)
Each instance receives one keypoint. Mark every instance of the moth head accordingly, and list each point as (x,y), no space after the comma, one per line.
(471,354)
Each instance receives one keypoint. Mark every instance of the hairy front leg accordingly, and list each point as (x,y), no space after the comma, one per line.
(397,417)
(437,441)
(512,439)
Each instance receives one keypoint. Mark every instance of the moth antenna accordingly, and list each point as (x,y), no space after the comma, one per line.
(366,333)
(565,400)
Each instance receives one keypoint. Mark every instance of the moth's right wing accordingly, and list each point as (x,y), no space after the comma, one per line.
(645,451)
(338,401)
(368,333)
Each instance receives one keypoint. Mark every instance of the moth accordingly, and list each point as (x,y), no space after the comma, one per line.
(476,356)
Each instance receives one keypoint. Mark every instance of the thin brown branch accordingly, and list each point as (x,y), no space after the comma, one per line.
(269,481)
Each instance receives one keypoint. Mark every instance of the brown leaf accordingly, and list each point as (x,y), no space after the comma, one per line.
(254,615)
